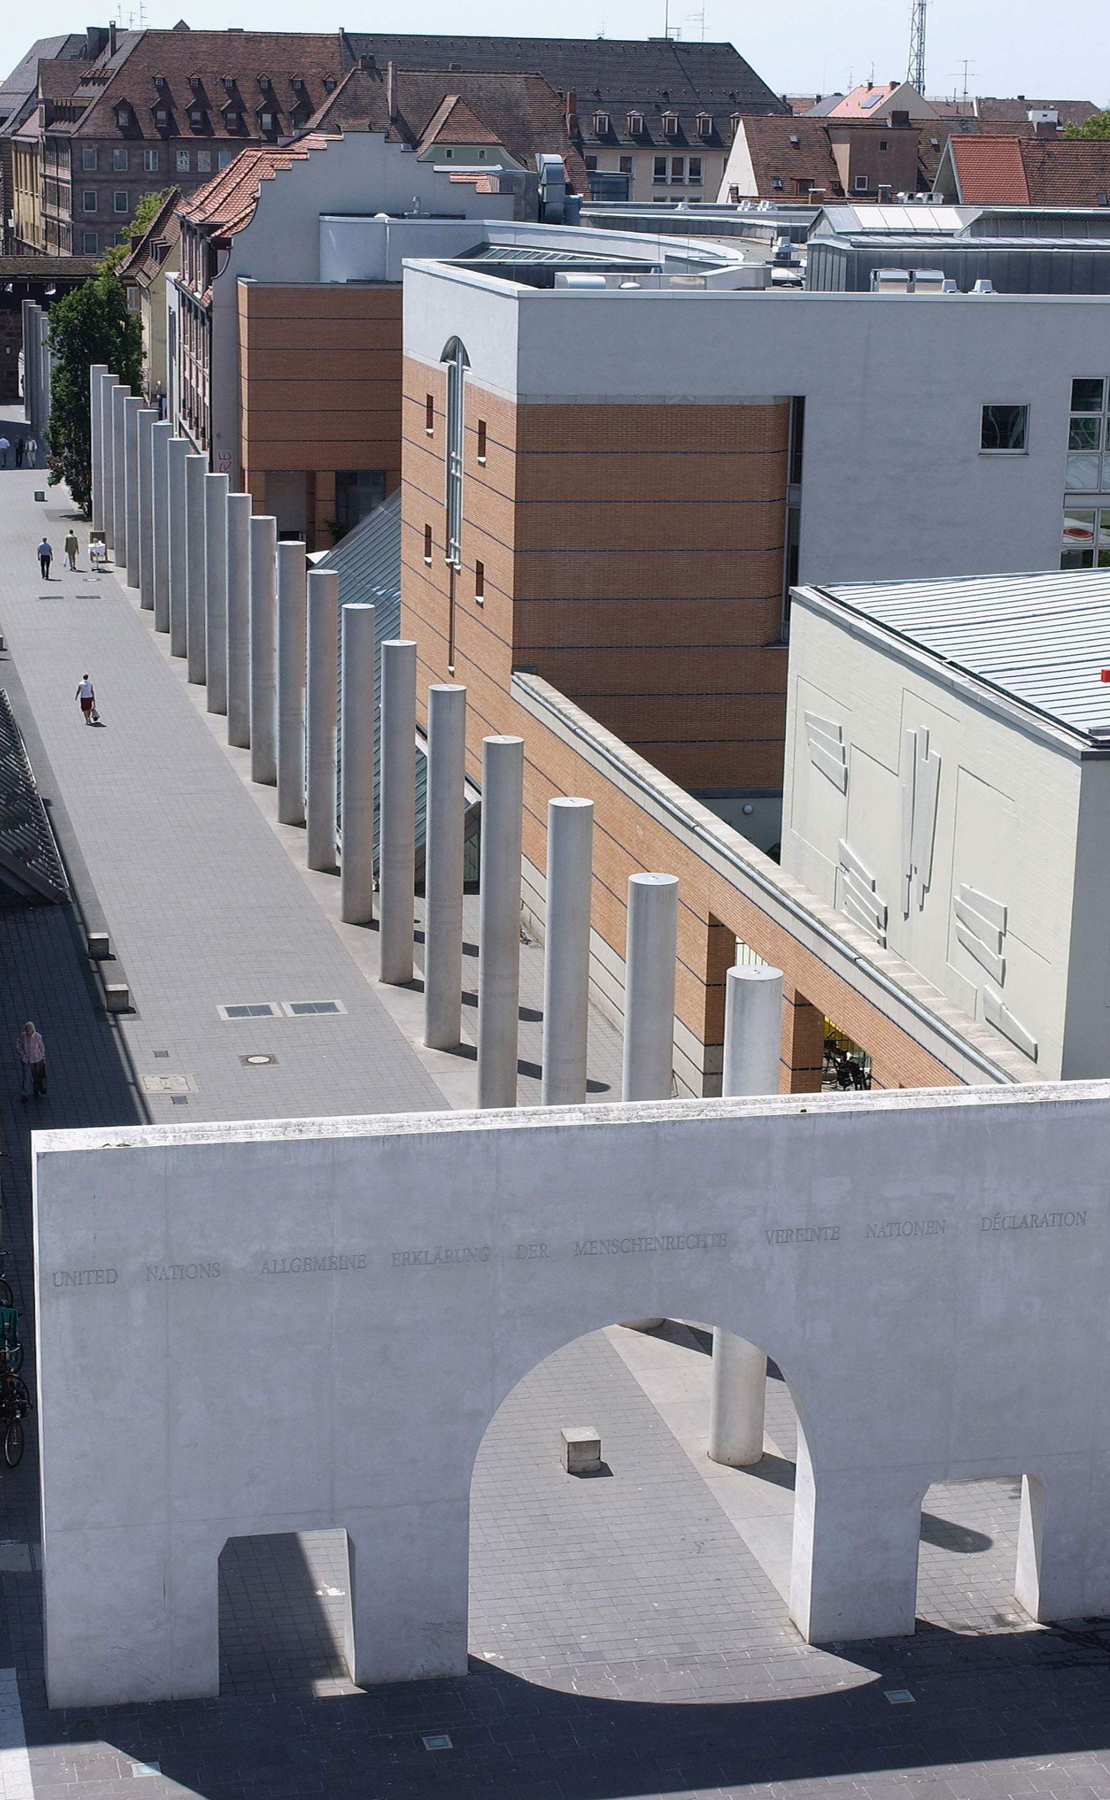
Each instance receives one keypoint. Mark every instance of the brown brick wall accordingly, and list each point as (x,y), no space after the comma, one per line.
(627,839)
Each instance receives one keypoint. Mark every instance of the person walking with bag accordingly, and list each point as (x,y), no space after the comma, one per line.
(45,555)
(87,698)
(71,547)
(31,1052)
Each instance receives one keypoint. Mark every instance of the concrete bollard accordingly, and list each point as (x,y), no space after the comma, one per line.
(322,697)
(196,469)
(239,620)
(160,434)
(291,654)
(356,810)
(753,1034)
(499,920)
(117,997)
(148,418)
(580,1450)
(215,591)
(177,455)
(443,867)
(264,650)
(397,811)
(566,962)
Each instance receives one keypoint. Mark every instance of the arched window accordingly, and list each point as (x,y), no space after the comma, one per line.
(454,355)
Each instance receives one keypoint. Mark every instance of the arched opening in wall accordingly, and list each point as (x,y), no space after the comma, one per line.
(285,1621)
(660,1575)
(967,1562)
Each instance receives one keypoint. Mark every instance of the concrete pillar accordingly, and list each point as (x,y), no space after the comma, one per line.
(753,1037)
(196,469)
(118,540)
(108,385)
(264,650)
(177,456)
(132,407)
(566,961)
(443,867)
(148,418)
(160,434)
(321,698)
(29,360)
(239,620)
(649,975)
(356,765)
(856,1539)
(1062,1571)
(97,372)
(499,920)
(397,811)
(47,373)
(291,654)
(215,591)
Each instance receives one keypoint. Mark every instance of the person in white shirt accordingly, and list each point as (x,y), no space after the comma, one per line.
(87,697)
(31,1052)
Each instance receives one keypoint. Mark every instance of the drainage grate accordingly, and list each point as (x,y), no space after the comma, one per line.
(438,1740)
(298,1009)
(179,1099)
(899,1696)
(160,1053)
(169,1084)
(259,1060)
(250,1009)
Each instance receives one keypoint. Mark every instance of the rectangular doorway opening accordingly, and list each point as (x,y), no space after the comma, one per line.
(285,1614)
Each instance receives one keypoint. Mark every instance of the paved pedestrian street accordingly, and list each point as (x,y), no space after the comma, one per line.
(629,1637)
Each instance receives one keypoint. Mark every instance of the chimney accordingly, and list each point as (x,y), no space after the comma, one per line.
(367,62)
(1044,128)
(899,119)
(96,36)
(570,106)
(112,38)
(391,108)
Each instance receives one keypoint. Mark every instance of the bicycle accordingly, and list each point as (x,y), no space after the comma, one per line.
(11,1350)
(15,1404)
(6,1296)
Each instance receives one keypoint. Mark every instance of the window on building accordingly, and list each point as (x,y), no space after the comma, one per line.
(591,164)
(776,183)
(88,156)
(801,184)
(267,120)
(223,158)
(454,355)
(624,164)
(119,200)
(233,119)
(1085,543)
(182,162)
(119,159)
(428,544)
(601,124)
(429,414)
(703,125)
(88,200)
(150,161)
(635,124)
(695,170)
(123,117)
(480,582)
(481,440)
(357,493)
(884,144)
(1088,465)
(161,118)
(90,243)
(670,124)
(197,117)
(1005,427)
(678,168)
(859,183)
(204,162)
(659,170)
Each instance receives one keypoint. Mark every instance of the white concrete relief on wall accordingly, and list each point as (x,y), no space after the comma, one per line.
(920,789)
(827,749)
(981,929)
(856,895)
(1004,1021)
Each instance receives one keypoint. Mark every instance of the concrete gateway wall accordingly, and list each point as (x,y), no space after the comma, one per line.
(275,1327)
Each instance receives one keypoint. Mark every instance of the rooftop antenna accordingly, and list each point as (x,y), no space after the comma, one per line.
(964,69)
(915,73)
(698,18)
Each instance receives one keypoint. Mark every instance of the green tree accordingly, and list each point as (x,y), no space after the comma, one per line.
(1097,126)
(145,212)
(91,325)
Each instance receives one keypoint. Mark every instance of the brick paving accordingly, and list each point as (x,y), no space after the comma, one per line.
(625,1641)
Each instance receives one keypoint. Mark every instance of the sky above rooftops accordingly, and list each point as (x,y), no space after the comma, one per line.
(1021,48)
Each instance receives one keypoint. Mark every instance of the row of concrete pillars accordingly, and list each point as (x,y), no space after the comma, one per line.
(280,658)
(37,367)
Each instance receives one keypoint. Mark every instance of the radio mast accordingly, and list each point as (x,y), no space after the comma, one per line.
(915,74)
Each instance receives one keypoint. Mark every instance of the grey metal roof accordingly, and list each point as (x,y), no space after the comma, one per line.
(931,221)
(1042,640)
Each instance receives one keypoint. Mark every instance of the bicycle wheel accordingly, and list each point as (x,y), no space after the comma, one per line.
(13,1443)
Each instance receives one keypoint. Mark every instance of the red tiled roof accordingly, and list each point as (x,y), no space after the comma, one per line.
(226,203)
(776,155)
(1067,171)
(454,123)
(143,261)
(989,171)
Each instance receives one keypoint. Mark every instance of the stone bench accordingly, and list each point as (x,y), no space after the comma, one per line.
(580,1450)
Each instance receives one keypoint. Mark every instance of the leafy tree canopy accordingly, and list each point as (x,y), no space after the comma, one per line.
(148,207)
(91,325)
(1097,126)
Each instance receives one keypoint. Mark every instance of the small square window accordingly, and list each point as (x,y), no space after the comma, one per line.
(119,160)
(1082,475)
(88,200)
(776,183)
(481,440)
(591,164)
(267,121)
(161,118)
(428,545)
(204,162)
(883,144)
(480,581)
(196,118)
(90,243)
(1085,433)
(859,184)
(624,164)
(182,162)
(223,158)
(150,161)
(1088,394)
(88,156)
(1006,428)
(119,200)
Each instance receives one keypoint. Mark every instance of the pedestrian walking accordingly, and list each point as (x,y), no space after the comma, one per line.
(31,445)
(31,1053)
(4,448)
(46,557)
(71,547)
(20,446)
(87,698)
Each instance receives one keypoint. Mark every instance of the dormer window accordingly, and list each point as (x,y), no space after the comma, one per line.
(233,118)
(670,124)
(194,83)
(197,118)
(125,118)
(161,118)
(161,83)
(635,124)
(601,124)
(734,122)
(228,84)
(776,182)
(703,125)
(265,83)
(298,84)
(794,139)
(267,119)
(329,84)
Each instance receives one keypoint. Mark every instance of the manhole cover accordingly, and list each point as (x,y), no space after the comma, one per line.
(258,1061)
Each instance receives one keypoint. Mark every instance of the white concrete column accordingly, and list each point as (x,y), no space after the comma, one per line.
(196,469)
(148,418)
(108,385)
(753,1036)
(47,375)
(118,540)
(30,362)
(264,649)
(499,920)
(291,655)
(397,811)
(239,620)
(177,456)
(1062,1569)
(160,434)
(321,700)
(443,867)
(97,372)
(566,960)
(649,976)
(356,767)
(132,407)
(855,1546)
(215,591)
